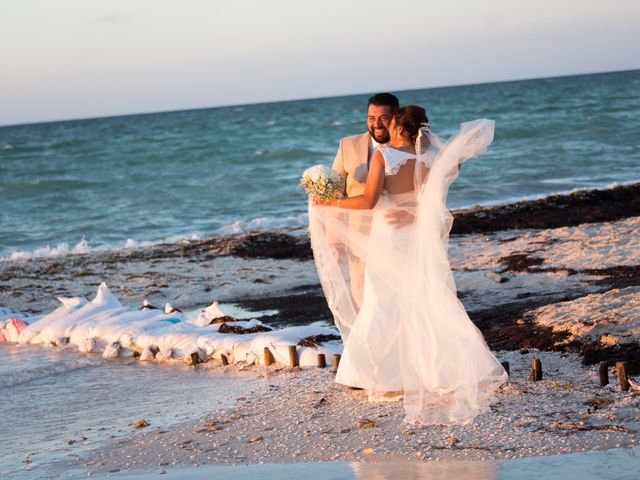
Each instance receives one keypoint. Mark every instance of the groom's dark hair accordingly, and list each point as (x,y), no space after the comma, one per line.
(384,100)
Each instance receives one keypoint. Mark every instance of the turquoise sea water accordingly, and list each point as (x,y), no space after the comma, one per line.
(119,181)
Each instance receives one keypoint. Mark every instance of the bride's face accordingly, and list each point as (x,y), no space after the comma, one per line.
(378,118)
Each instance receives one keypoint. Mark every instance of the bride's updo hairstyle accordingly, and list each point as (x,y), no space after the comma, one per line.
(411,118)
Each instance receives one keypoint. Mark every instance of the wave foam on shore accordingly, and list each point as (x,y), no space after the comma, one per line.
(83,246)
(502,213)
(104,326)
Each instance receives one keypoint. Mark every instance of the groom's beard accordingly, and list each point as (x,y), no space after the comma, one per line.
(380,137)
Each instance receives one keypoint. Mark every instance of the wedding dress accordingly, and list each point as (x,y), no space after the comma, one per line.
(410,333)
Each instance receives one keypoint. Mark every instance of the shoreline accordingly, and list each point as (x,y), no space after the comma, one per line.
(550,211)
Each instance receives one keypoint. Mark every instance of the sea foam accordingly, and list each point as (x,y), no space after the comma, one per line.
(59,250)
(260,224)
(103,325)
(265,224)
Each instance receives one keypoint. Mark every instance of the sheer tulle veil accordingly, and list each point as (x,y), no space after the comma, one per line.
(406,322)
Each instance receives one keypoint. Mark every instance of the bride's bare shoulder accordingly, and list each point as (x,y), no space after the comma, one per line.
(377,157)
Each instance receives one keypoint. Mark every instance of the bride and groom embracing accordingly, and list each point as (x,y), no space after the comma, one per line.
(381,254)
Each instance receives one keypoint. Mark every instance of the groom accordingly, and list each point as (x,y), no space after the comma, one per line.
(352,160)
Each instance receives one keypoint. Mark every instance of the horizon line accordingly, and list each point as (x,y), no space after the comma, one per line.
(291,100)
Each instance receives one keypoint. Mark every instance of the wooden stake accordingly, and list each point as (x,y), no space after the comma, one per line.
(293,356)
(505,365)
(536,370)
(603,372)
(224,358)
(623,379)
(268,357)
(336,361)
(322,360)
(194,359)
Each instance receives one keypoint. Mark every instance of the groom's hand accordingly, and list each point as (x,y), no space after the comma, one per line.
(399,218)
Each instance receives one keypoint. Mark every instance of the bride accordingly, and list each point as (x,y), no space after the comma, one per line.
(410,333)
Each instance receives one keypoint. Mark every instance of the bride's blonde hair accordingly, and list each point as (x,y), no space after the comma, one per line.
(411,118)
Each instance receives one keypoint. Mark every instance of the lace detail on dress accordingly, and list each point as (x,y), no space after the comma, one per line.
(394,159)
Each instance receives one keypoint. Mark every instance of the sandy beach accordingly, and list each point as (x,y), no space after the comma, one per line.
(555,279)
(302,416)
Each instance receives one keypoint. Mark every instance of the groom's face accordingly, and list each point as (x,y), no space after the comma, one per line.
(378,119)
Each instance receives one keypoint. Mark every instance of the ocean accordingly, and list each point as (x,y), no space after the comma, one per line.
(74,186)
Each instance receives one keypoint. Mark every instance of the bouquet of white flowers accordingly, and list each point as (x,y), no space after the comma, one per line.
(321,181)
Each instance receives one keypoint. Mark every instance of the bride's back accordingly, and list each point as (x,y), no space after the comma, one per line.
(403,180)
(399,155)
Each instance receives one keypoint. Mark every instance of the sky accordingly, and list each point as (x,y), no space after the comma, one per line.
(67,59)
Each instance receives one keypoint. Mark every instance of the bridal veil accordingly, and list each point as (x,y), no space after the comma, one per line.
(393,296)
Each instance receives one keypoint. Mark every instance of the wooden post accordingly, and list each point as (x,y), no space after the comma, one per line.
(194,359)
(536,370)
(505,365)
(322,360)
(336,361)
(603,372)
(224,358)
(268,357)
(293,356)
(623,380)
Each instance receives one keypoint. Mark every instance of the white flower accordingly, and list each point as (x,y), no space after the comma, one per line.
(316,173)
(322,181)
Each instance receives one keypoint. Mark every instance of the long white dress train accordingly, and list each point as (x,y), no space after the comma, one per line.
(410,333)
